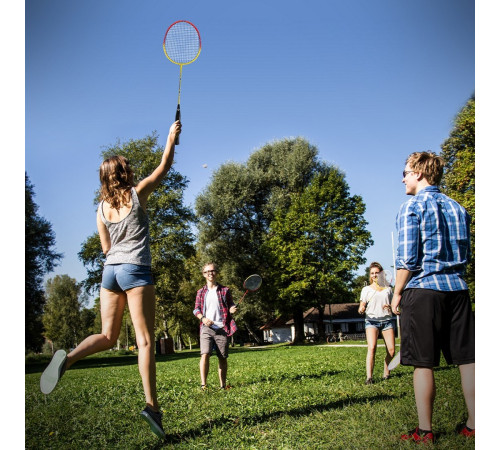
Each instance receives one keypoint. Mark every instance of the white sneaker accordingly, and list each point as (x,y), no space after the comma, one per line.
(53,373)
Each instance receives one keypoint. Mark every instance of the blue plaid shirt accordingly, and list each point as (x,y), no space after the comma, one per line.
(433,241)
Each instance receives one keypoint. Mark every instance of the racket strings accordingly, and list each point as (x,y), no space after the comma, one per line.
(182,43)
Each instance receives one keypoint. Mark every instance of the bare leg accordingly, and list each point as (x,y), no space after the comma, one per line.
(371,339)
(204,366)
(112,307)
(425,393)
(141,303)
(468,375)
(222,371)
(390,346)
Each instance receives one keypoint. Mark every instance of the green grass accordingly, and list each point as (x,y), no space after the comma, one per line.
(283,397)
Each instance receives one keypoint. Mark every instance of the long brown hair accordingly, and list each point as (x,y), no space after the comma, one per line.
(372,265)
(117,178)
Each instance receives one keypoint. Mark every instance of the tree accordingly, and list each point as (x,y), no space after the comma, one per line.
(87,317)
(40,259)
(172,240)
(359,283)
(459,180)
(237,211)
(180,320)
(61,318)
(316,245)
(234,213)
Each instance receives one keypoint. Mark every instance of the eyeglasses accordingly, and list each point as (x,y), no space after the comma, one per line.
(210,271)
(406,172)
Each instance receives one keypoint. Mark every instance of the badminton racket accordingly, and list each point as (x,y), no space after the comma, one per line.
(252,283)
(395,361)
(182,45)
(384,278)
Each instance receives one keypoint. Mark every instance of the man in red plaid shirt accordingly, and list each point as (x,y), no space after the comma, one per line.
(214,308)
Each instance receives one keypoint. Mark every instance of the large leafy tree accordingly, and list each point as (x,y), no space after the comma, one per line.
(180,320)
(234,213)
(237,210)
(170,227)
(40,259)
(62,316)
(459,179)
(316,245)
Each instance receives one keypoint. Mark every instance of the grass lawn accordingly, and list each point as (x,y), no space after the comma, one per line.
(283,397)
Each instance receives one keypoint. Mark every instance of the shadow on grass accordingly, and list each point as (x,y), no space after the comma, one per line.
(95,361)
(400,374)
(292,377)
(109,361)
(296,412)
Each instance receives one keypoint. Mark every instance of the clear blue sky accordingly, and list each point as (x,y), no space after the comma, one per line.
(367,82)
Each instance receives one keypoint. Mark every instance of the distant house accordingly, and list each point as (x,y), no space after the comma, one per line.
(337,317)
(277,330)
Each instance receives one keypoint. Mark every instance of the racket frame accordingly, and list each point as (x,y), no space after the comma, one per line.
(178,111)
(247,289)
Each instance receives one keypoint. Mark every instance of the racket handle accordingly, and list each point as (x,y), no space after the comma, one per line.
(237,304)
(177,117)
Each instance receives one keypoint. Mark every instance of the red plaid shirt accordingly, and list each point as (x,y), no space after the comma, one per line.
(225,303)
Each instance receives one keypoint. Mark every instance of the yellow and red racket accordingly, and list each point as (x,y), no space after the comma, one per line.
(182,45)
(252,283)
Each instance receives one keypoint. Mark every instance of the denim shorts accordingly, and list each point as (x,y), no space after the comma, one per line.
(122,277)
(381,325)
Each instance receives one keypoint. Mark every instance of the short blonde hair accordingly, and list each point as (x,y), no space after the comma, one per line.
(429,164)
(210,264)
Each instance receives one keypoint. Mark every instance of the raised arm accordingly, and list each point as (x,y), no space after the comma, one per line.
(150,183)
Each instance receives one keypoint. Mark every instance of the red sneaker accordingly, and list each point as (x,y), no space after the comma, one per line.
(419,436)
(466,431)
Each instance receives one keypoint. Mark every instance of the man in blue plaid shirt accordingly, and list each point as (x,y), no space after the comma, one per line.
(430,293)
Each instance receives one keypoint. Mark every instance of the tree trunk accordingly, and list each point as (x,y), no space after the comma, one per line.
(321,322)
(165,328)
(298,320)
(256,338)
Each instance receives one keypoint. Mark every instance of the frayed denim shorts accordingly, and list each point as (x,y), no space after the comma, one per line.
(122,277)
(381,325)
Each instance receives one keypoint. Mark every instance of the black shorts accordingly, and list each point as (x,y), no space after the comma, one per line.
(435,321)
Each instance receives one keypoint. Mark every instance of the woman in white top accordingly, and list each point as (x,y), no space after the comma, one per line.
(375,303)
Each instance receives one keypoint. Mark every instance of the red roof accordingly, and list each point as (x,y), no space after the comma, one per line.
(279,322)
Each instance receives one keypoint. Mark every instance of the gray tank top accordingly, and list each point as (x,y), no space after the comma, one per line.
(129,236)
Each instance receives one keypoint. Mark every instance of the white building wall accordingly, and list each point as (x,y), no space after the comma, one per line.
(281,335)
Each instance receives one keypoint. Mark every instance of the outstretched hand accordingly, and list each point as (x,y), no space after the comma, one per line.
(175,129)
